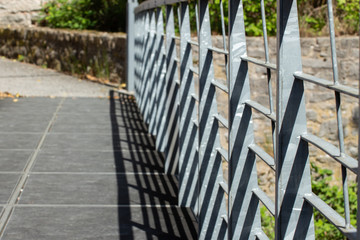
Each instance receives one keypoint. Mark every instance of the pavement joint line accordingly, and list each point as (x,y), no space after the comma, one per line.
(98,133)
(25,133)
(100,150)
(91,133)
(15,149)
(15,196)
(97,205)
(100,173)
(11,172)
(30,76)
(87,150)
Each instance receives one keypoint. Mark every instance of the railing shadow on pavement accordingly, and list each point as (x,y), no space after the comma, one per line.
(147,198)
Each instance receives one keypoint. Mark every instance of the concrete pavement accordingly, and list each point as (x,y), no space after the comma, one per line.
(31,80)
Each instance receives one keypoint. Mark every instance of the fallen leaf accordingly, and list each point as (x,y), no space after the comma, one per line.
(91,78)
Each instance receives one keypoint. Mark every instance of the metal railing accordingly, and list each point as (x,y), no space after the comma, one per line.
(177,97)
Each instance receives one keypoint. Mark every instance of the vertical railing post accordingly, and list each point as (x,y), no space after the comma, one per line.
(211,193)
(161,90)
(293,215)
(139,56)
(172,109)
(188,162)
(149,77)
(244,220)
(145,62)
(130,29)
(159,73)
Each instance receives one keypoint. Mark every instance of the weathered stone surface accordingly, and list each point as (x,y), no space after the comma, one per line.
(311,115)
(329,130)
(19,12)
(80,52)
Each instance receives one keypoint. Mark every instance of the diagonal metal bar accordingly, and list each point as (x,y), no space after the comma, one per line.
(212,199)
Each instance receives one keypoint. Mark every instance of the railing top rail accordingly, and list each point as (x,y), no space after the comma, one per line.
(151,4)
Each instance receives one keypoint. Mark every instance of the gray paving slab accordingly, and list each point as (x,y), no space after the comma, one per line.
(110,189)
(92,122)
(30,80)
(98,105)
(96,176)
(28,105)
(26,115)
(19,140)
(11,68)
(100,117)
(98,161)
(96,223)
(24,122)
(78,104)
(14,160)
(8,182)
(98,141)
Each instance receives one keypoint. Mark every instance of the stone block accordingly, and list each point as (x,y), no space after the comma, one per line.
(328,130)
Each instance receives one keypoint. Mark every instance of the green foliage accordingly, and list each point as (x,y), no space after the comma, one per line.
(312,16)
(104,15)
(253,21)
(332,195)
(267,222)
(21,58)
(252,16)
(215,15)
(77,14)
(110,15)
(348,11)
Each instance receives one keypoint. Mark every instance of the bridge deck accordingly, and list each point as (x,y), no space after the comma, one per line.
(84,168)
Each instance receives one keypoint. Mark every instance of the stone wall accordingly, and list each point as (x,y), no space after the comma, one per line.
(79,52)
(19,12)
(320,102)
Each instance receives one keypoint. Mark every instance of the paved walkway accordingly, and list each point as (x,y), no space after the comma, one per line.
(84,168)
(30,80)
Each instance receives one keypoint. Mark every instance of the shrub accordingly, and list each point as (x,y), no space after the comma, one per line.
(110,15)
(77,14)
(332,195)
(103,15)
(312,16)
